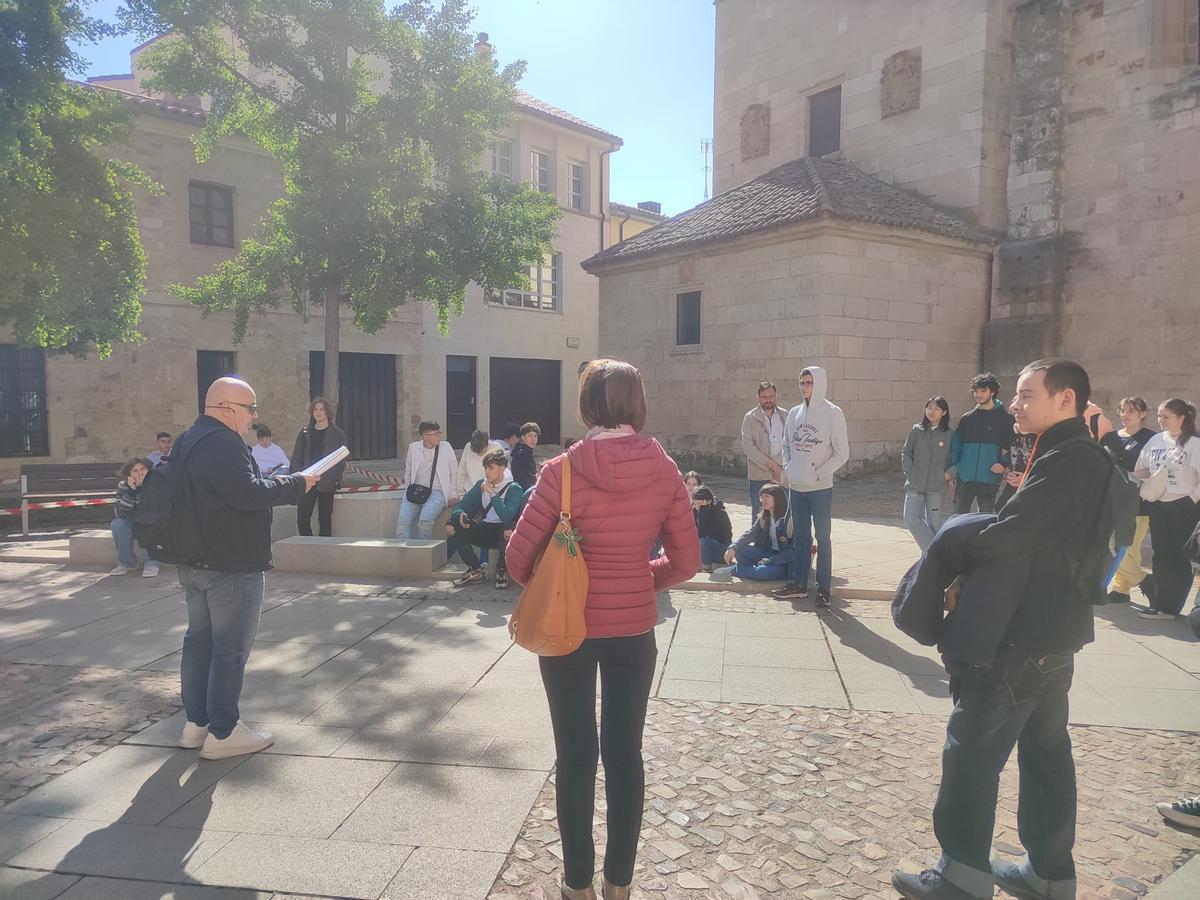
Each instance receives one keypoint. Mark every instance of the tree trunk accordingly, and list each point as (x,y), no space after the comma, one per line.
(332,343)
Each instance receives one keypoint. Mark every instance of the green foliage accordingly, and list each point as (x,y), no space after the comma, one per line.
(74,270)
(379,121)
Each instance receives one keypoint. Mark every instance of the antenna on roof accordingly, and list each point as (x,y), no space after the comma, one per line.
(706,149)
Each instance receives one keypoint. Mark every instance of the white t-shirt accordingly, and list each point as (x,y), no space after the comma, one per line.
(269,458)
(1182,464)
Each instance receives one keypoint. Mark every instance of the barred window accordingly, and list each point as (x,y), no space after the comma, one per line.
(23,427)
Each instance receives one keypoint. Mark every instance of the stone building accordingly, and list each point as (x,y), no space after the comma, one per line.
(1066,133)
(516,359)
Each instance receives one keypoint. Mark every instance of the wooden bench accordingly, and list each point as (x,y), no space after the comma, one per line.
(65,481)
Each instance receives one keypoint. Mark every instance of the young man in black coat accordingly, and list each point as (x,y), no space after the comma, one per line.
(1052,525)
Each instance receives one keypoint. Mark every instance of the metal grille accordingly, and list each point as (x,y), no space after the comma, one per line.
(23,428)
(366,404)
(825,122)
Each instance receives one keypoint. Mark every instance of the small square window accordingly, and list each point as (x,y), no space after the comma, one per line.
(687,319)
(502,159)
(575,186)
(210,214)
(825,122)
(539,170)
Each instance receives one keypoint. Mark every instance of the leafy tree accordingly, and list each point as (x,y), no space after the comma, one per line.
(74,270)
(379,121)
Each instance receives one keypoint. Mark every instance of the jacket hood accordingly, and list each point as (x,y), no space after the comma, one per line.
(820,389)
(622,465)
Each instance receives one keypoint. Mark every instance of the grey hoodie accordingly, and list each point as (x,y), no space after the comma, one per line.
(815,443)
(924,460)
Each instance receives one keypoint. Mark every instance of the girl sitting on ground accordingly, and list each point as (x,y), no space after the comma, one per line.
(129,490)
(764,553)
(712,524)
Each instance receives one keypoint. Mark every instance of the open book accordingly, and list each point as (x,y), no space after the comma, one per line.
(321,466)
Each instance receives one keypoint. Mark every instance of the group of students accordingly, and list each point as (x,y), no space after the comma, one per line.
(985,459)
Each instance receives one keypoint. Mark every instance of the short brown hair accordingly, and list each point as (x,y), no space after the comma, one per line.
(495,457)
(766,386)
(531,426)
(127,469)
(611,394)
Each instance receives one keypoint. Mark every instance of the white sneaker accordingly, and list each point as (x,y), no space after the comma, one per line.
(192,737)
(150,570)
(120,570)
(241,741)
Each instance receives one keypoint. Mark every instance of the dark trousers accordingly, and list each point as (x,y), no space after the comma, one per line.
(304,510)
(968,492)
(626,667)
(480,534)
(1171,524)
(1022,701)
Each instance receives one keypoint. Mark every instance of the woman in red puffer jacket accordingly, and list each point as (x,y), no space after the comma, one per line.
(625,493)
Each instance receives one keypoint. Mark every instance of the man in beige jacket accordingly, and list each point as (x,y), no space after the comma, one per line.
(762,442)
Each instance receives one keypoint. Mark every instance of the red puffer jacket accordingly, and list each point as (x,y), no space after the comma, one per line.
(625,493)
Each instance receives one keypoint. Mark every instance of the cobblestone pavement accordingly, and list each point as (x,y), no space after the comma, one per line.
(54,718)
(759,801)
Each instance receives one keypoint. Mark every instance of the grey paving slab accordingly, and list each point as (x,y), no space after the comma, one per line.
(456,807)
(18,832)
(784,653)
(26,885)
(1110,640)
(523,679)
(517,753)
(456,633)
(899,701)
(119,850)
(141,785)
(434,873)
(124,889)
(1144,670)
(932,693)
(435,664)
(1131,707)
(274,697)
(699,634)
(695,663)
(163,612)
(282,657)
(686,689)
(445,748)
(786,687)
(305,865)
(291,740)
(328,621)
(521,714)
(803,627)
(288,795)
(389,706)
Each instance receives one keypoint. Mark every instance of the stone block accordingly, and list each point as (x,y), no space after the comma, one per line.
(93,548)
(384,557)
(366,515)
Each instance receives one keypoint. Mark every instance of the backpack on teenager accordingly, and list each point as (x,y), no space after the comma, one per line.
(165,522)
(1116,522)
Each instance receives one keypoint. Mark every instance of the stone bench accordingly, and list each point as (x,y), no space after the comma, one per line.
(96,548)
(373,515)
(367,557)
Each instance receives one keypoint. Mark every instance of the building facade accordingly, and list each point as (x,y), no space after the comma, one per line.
(1066,131)
(512,360)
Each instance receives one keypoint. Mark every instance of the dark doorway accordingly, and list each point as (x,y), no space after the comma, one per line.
(366,404)
(460,399)
(527,390)
(211,365)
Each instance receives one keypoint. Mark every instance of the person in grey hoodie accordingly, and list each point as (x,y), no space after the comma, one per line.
(815,446)
(926,451)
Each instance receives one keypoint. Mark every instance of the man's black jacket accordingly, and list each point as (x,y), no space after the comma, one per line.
(1053,523)
(523,465)
(233,501)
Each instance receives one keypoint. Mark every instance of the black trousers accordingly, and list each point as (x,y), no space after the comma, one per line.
(626,667)
(966,492)
(1021,701)
(480,534)
(1171,524)
(304,510)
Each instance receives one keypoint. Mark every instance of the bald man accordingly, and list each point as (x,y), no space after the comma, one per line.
(224,590)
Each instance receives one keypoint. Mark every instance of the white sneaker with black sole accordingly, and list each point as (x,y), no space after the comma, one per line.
(193,736)
(241,741)
(1184,812)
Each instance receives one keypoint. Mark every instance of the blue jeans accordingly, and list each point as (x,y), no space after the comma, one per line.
(750,565)
(418,521)
(755,504)
(122,532)
(223,611)
(712,552)
(923,516)
(812,512)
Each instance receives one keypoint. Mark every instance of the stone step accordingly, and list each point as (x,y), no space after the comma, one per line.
(366,557)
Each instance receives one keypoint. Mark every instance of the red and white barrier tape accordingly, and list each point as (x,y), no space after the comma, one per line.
(59,504)
(366,473)
(371,489)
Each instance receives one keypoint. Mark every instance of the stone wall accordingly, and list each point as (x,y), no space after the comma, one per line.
(913,77)
(894,319)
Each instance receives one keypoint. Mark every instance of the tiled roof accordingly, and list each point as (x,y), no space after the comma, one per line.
(542,109)
(803,190)
(635,211)
(151,104)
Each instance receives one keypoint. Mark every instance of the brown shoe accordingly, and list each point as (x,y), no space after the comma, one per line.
(612,892)
(587,893)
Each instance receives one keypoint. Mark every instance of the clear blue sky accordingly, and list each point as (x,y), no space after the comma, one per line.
(641,69)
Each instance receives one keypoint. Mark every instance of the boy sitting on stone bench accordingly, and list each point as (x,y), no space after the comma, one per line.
(485,518)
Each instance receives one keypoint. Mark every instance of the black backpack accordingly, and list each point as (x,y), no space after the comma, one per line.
(165,521)
(1115,522)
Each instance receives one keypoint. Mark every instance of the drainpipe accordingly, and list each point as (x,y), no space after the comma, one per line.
(621,227)
(603,153)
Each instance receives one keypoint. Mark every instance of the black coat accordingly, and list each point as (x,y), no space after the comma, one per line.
(523,465)
(334,438)
(713,522)
(233,501)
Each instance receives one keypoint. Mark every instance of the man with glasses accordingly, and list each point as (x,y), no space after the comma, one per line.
(430,465)
(762,442)
(224,590)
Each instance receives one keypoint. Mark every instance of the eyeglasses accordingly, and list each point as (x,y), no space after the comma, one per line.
(251,408)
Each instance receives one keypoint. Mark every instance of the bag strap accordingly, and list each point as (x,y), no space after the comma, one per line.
(433,471)
(565,512)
